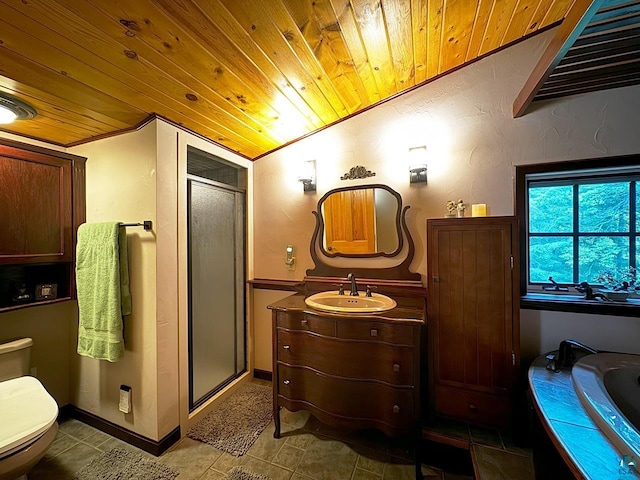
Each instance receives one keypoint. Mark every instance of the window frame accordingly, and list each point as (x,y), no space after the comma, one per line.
(588,167)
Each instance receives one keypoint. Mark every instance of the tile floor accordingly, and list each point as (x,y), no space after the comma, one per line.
(495,455)
(308,450)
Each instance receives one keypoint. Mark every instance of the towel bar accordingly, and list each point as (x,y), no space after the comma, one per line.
(147,224)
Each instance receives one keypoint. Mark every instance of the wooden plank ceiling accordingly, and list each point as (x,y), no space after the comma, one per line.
(251,75)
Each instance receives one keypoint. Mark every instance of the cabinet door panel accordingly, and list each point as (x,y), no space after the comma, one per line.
(36,205)
(471,310)
(473,319)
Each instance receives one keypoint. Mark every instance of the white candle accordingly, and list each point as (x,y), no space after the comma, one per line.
(479,210)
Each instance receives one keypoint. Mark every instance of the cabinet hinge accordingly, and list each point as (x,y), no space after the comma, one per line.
(513,358)
(511,262)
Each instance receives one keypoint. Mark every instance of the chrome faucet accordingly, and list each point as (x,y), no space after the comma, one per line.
(354,286)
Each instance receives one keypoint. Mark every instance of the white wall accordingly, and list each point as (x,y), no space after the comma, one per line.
(465,120)
(542,332)
(48,326)
(121,186)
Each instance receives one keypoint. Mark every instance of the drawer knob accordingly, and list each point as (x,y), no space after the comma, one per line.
(472,407)
(396,367)
(396,409)
(303,321)
(374,332)
(286,382)
(286,347)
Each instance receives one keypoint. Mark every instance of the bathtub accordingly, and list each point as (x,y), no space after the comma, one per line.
(608,386)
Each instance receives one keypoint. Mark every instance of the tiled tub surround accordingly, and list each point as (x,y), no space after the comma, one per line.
(577,438)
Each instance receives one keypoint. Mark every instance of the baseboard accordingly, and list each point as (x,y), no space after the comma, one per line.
(151,446)
(262,374)
(65,412)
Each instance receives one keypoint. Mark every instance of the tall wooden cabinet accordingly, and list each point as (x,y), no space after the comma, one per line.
(42,201)
(473,317)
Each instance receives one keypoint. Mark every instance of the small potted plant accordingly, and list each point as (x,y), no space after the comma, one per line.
(618,283)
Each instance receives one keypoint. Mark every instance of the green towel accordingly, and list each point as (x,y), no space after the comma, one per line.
(102,281)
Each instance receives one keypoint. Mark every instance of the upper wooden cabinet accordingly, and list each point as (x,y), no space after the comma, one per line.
(473,317)
(42,200)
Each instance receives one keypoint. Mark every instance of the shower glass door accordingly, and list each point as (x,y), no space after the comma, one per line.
(216,220)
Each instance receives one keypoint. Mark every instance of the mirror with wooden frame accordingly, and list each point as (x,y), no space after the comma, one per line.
(356,228)
(359,221)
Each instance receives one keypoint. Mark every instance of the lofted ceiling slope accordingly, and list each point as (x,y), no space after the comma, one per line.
(251,75)
(597,47)
(605,54)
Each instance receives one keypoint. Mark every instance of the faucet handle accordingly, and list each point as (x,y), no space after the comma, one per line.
(369,288)
(340,288)
(552,364)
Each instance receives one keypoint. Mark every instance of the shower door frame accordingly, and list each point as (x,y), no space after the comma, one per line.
(242,300)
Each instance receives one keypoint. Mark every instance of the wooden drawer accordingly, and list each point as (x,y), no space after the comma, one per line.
(307,323)
(364,401)
(471,406)
(377,331)
(353,359)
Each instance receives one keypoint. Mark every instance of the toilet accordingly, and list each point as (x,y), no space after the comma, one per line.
(27,412)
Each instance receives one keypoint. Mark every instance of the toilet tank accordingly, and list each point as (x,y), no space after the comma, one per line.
(14,358)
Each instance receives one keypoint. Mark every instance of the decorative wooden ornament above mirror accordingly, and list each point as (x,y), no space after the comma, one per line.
(362,230)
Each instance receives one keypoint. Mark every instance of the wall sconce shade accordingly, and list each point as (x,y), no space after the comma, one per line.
(418,165)
(308,175)
(13,109)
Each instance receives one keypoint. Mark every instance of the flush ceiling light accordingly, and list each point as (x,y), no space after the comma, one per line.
(13,109)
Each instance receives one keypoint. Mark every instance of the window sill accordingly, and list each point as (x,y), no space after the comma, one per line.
(576,304)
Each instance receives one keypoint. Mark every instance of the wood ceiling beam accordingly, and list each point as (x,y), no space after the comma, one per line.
(578,17)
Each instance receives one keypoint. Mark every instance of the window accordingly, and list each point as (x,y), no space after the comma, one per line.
(579,228)
(578,220)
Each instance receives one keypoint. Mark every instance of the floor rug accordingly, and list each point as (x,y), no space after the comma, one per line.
(117,464)
(237,422)
(240,474)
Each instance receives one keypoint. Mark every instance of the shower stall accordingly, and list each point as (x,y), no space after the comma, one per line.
(216,206)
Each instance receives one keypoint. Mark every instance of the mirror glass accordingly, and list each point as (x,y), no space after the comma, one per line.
(361,221)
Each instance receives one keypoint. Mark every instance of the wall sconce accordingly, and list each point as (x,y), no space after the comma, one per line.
(308,175)
(13,109)
(418,165)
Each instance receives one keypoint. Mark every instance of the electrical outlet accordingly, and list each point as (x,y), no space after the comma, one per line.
(290,261)
(125,399)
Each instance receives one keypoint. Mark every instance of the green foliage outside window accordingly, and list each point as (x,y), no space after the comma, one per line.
(581,228)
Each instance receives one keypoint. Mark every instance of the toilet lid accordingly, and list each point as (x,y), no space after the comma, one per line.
(26,412)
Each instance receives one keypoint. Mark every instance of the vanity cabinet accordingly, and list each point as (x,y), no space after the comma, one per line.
(473,311)
(42,202)
(358,371)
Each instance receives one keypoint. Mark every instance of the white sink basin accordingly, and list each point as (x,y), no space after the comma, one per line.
(608,385)
(332,301)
